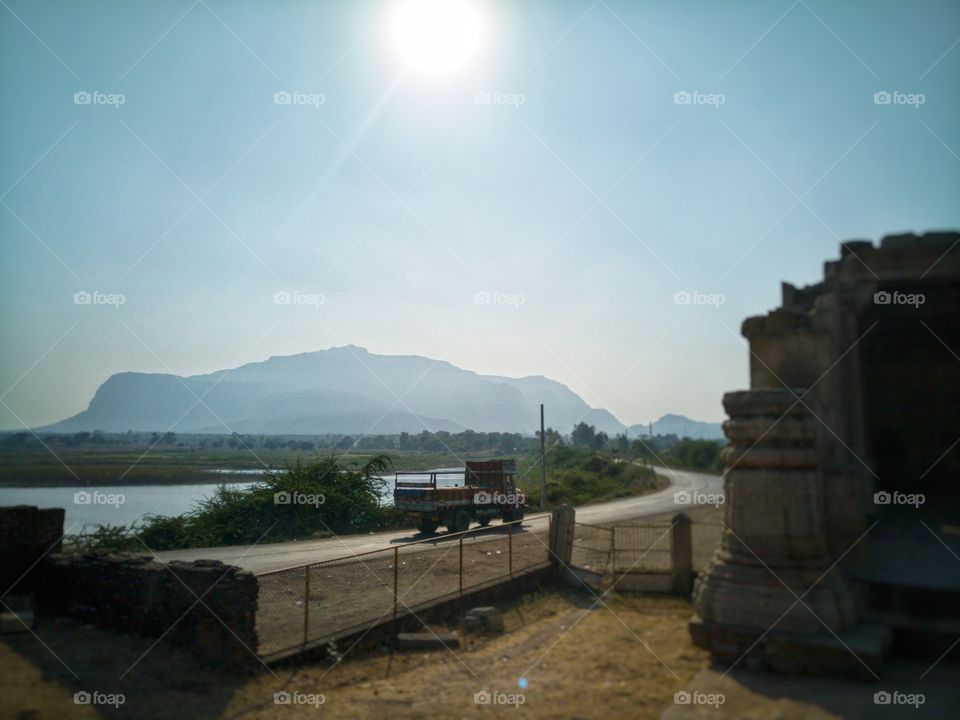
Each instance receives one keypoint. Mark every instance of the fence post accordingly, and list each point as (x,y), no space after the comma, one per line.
(396,570)
(461,566)
(510,548)
(562,523)
(306,604)
(682,554)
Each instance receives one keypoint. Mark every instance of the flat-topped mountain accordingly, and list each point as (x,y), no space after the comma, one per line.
(340,390)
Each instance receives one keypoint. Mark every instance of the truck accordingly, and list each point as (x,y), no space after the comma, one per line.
(483,490)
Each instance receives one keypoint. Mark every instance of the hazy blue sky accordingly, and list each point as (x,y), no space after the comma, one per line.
(497,198)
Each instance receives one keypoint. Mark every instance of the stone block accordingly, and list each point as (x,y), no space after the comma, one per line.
(428,641)
(485,619)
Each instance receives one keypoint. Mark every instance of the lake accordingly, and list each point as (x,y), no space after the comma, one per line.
(114,505)
(123,504)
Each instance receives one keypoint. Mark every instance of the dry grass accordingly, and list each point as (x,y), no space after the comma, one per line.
(580,660)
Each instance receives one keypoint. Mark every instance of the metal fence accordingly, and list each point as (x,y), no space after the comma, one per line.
(310,604)
(592,546)
(642,548)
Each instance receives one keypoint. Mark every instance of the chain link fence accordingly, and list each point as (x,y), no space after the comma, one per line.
(592,546)
(310,604)
(642,548)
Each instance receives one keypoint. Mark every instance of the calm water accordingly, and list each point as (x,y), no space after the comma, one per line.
(122,504)
(117,505)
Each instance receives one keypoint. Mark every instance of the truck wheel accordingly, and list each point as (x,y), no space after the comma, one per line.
(428,527)
(484,521)
(461,521)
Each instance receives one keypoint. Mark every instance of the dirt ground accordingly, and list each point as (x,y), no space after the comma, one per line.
(579,661)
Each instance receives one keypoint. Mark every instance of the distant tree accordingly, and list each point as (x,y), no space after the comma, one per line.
(621,443)
(583,435)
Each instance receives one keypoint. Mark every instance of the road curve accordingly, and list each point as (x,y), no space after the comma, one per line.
(276,556)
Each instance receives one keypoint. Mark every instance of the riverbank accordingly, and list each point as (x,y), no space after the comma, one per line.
(111,467)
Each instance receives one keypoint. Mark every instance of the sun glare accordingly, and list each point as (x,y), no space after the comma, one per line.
(436,37)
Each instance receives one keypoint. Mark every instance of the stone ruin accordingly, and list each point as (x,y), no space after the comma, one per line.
(842,537)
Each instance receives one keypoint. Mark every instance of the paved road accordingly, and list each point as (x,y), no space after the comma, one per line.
(276,556)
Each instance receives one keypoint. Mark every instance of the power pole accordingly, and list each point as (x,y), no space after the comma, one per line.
(543,452)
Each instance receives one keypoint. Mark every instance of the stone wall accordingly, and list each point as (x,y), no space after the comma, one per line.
(26,535)
(141,596)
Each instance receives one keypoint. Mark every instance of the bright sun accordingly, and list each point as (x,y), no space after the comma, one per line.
(436,37)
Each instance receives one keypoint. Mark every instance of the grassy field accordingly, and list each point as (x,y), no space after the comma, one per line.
(106,466)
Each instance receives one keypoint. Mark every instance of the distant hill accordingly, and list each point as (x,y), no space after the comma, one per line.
(681,426)
(341,390)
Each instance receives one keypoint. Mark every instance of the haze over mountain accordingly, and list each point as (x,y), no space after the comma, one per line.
(681,426)
(341,390)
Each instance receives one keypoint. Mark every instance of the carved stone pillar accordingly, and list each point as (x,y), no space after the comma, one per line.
(770,597)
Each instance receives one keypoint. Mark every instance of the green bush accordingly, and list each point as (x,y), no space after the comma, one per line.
(318,498)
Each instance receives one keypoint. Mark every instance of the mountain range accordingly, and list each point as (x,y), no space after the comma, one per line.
(344,390)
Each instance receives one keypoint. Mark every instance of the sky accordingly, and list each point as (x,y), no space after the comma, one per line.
(188,186)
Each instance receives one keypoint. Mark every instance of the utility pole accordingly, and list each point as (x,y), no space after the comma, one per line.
(543,452)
